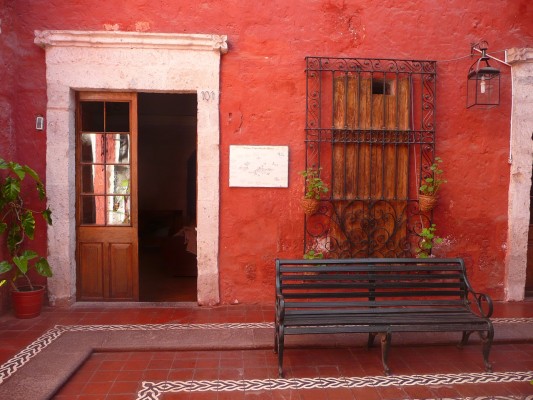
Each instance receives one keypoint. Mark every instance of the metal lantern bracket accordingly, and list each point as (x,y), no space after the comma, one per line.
(483,85)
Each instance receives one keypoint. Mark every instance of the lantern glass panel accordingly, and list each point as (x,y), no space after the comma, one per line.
(483,90)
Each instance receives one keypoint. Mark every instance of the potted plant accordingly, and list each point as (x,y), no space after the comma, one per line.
(313,255)
(429,239)
(17,228)
(314,189)
(427,198)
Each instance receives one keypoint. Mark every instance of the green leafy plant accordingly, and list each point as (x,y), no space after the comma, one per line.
(431,183)
(313,255)
(429,239)
(314,185)
(17,222)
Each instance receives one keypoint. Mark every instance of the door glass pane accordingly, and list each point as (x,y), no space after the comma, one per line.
(118,179)
(92,179)
(118,210)
(105,143)
(92,210)
(92,148)
(92,116)
(117,148)
(117,117)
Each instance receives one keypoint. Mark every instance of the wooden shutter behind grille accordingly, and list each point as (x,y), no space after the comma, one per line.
(370,154)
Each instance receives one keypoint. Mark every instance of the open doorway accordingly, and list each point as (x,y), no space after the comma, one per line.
(167,197)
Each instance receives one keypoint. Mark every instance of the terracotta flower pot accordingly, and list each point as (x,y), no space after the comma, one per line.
(27,303)
(427,203)
(310,206)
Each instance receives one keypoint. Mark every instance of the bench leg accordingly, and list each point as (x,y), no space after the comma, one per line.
(486,339)
(371,337)
(464,339)
(280,344)
(385,344)
(276,336)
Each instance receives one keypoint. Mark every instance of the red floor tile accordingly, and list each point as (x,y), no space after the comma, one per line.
(118,375)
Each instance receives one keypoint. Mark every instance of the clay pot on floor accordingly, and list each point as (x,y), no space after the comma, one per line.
(28,303)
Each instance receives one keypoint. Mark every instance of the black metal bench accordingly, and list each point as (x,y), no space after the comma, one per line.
(379,296)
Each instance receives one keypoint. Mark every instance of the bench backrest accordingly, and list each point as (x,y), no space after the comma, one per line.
(384,282)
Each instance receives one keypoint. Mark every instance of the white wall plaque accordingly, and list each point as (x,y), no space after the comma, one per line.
(259,166)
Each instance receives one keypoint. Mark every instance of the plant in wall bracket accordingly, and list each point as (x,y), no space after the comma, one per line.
(427,198)
(314,189)
(313,255)
(429,239)
(17,229)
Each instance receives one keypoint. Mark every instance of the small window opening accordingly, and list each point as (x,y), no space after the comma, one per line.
(381,86)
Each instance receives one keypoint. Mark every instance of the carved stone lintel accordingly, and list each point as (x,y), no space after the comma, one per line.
(516,55)
(119,39)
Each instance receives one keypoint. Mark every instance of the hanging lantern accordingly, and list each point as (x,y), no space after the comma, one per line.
(483,86)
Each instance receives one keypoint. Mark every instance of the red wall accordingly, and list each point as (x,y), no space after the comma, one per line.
(263,102)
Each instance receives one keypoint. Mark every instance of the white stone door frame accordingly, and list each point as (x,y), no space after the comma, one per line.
(521,156)
(130,62)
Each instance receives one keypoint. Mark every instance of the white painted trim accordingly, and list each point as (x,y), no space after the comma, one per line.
(129,61)
(521,149)
(118,39)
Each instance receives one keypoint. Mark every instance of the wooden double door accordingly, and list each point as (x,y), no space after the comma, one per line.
(106,197)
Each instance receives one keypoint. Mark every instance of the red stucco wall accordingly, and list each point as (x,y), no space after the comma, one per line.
(263,102)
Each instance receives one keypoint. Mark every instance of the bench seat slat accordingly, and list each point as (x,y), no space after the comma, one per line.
(345,295)
(393,313)
(372,285)
(380,329)
(373,304)
(314,267)
(420,323)
(371,310)
(309,275)
(333,319)
(379,319)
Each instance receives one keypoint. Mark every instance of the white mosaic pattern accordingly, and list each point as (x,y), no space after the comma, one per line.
(485,398)
(153,390)
(511,320)
(12,365)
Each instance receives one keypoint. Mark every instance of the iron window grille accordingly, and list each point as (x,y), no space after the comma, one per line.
(370,130)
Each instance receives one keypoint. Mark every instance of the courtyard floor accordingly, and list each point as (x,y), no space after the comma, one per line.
(182,351)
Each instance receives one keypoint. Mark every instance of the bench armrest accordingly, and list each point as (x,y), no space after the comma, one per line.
(483,302)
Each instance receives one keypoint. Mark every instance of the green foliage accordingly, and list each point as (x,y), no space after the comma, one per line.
(18,223)
(431,184)
(429,239)
(314,186)
(312,255)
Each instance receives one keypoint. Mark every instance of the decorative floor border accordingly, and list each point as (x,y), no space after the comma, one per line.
(16,362)
(153,390)
(20,359)
(511,320)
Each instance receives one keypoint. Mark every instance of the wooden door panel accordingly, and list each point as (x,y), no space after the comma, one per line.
(90,266)
(121,274)
(106,195)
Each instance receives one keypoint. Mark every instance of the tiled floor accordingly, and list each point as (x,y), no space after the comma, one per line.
(160,280)
(349,372)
